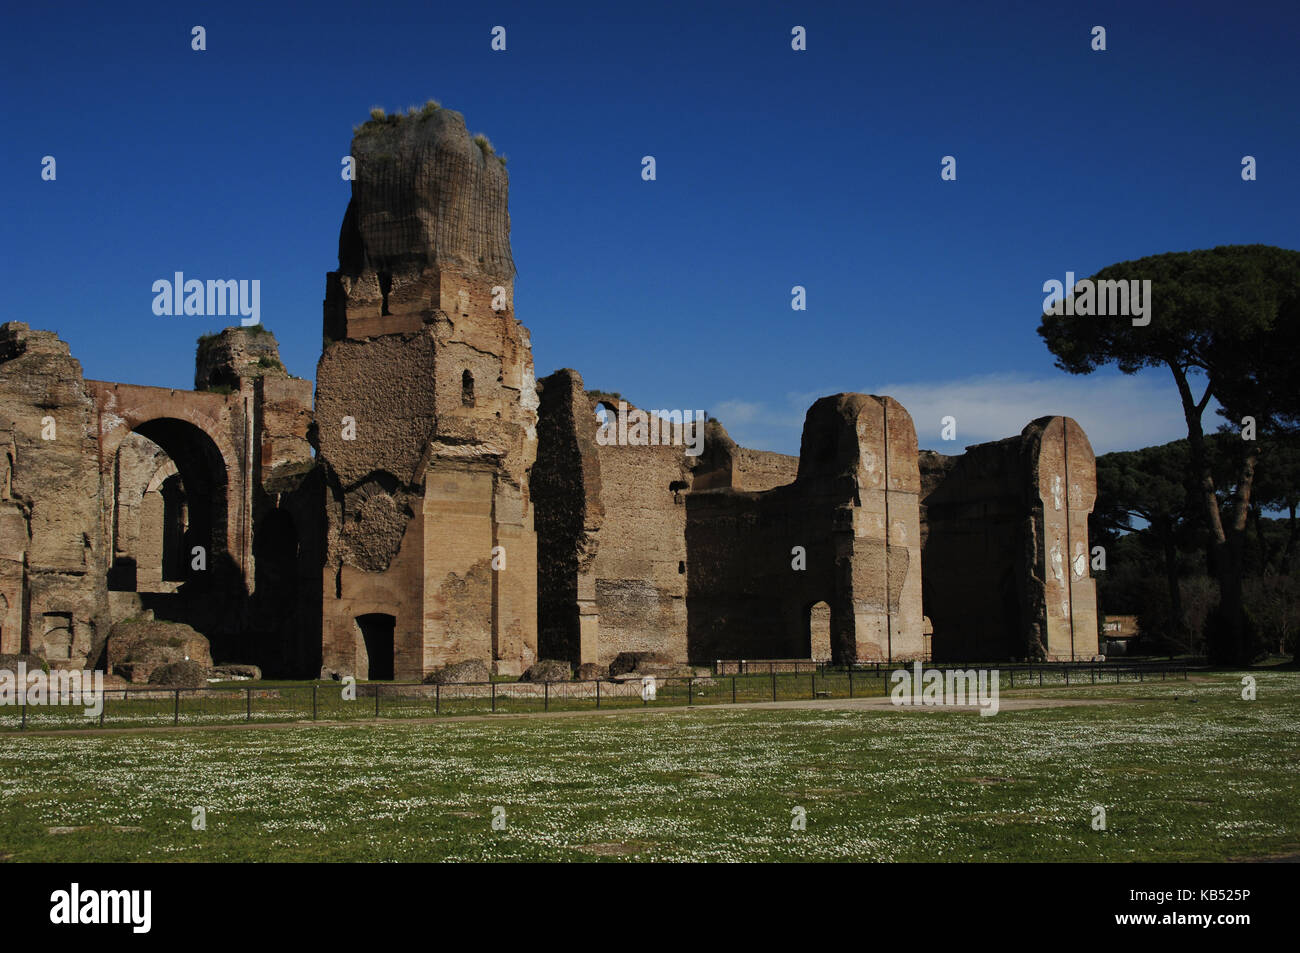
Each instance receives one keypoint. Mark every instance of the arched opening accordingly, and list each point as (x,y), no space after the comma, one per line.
(375,646)
(818,629)
(170,489)
(201,490)
(170,532)
(56,642)
(149,518)
(467,389)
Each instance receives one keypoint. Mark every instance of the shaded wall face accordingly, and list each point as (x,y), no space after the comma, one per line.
(747,599)
(565,488)
(974,556)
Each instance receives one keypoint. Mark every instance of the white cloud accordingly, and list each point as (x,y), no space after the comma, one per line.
(738,412)
(1118,412)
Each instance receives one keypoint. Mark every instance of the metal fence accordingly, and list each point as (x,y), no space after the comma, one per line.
(330,701)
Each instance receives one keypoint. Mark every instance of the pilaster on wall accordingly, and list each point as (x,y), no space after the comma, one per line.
(886,554)
(1067,491)
(514,576)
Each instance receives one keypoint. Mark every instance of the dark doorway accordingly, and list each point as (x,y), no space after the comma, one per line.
(375,653)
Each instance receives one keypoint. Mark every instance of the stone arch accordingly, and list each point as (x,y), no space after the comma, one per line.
(375,645)
(605,412)
(817,630)
(200,431)
(205,479)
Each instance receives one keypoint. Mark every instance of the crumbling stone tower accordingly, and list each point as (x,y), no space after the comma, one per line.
(426,413)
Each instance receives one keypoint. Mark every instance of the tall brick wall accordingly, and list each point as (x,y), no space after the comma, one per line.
(641,564)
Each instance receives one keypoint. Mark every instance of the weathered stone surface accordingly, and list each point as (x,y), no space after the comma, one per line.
(122,485)
(138,648)
(225,360)
(548,670)
(644,663)
(184,674)
(408,167)
(249,672)
(842,539)
(9,662)
(459,673)
(651,550)
(636,582)
(53,602)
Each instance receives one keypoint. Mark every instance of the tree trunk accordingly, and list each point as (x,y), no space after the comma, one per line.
(1289,551)
(1175,592)
(1242,652)
(1224,631)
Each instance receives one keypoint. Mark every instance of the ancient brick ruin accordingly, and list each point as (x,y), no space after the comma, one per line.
(457,509)
(427,476)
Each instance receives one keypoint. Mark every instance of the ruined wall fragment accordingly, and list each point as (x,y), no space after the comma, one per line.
(1006,570)
(52,550)
(852,510)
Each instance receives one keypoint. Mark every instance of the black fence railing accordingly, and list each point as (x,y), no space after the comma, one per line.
(130,707)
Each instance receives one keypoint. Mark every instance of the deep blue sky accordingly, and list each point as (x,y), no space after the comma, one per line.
(775,168)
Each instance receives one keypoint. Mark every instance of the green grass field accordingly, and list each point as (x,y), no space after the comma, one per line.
(1184,771)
